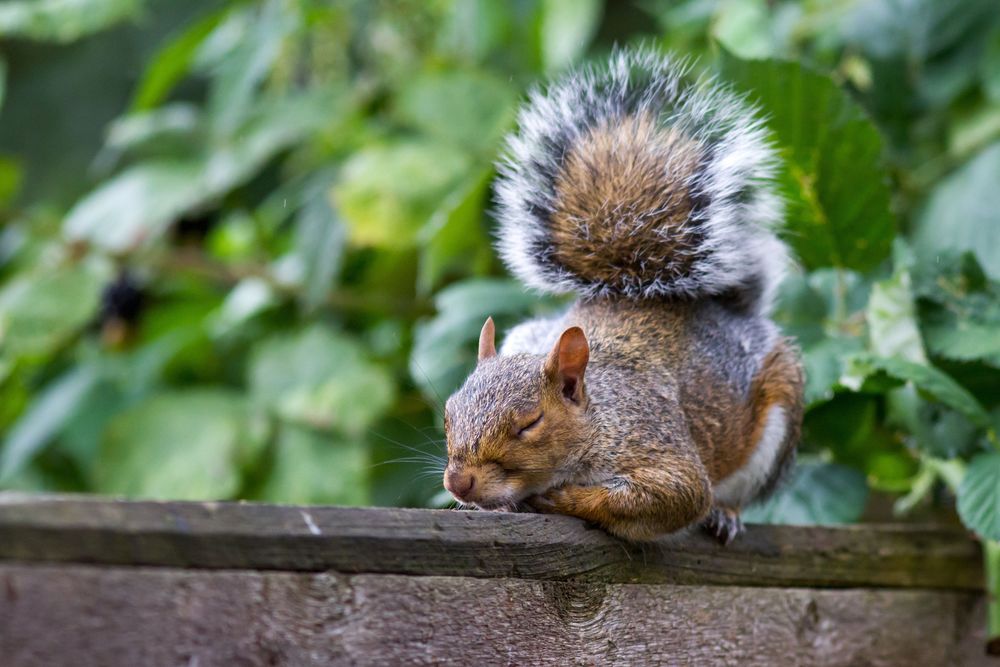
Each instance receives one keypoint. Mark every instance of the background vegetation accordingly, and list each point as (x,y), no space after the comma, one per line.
(246,248)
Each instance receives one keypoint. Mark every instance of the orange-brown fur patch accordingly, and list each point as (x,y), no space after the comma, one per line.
(780,382)
(623,200)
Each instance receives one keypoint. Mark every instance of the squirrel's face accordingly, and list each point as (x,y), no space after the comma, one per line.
(516,422)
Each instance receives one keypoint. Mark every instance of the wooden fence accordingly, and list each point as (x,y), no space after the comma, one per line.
(98,582)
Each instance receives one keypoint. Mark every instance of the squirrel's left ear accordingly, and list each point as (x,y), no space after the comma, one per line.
(567,361)
(487,340)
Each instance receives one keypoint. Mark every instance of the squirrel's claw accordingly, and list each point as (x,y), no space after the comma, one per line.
(542,503)
(724,524)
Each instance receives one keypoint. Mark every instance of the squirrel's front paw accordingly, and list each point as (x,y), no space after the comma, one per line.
(543,503)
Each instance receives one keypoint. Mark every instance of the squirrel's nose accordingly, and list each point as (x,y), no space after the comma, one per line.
(459,483)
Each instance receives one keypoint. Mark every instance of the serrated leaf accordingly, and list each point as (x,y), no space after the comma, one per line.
(319,378)
(926,378)
(822,311)
(891,316)
(825,364)
(961,214)
(979,496)
(834,180)
(177,445)
(938,431)
(817,494)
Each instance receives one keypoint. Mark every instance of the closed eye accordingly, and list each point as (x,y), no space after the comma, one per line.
(527,427)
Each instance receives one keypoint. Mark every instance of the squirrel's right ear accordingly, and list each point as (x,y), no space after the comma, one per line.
(567,361)
(487,338)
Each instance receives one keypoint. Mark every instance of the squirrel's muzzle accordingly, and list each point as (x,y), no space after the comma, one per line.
(460,483)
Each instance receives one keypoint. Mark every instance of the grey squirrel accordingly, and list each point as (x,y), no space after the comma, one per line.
(664,397)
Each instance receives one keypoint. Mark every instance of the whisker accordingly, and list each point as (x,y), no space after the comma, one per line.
(439,406)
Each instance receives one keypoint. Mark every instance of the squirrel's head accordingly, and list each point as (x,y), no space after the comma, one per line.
(516,422)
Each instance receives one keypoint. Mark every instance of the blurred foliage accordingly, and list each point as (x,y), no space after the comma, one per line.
(266,276)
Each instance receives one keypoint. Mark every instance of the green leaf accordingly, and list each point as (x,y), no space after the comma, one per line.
(10,180)
(136,207)
(979,496)
(321,379)
(471,109)
(823,311)
(914,30)
(825,363)
(176,445)
(315,468)
(3,80)
(387,193)
(989,69)
(892,324)
(444,346)
(320,237)
(248,298)
(171,63)
(455,236)
(817,494)
(62,20)
(567,26)
(834,180)
(49,410)
(965,339)
(743,27)
(253,40)
(39,311)
(926,378)
(960,214)
(135,129)
(937,430)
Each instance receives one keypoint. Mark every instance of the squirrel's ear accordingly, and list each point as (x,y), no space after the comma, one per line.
(487,346)
(567,361)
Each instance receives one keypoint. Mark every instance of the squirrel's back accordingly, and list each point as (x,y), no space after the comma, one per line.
(639,180)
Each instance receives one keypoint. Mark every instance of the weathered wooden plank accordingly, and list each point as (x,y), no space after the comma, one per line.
(478,544)
(82,615)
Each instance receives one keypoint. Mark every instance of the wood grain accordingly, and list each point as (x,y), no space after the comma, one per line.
(473,544)
(82,615)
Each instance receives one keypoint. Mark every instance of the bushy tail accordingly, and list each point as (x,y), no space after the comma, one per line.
(640,180)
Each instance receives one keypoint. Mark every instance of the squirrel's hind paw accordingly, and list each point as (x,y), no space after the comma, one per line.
(723,523)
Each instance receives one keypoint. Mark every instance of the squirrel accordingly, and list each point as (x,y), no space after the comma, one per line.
(664,397)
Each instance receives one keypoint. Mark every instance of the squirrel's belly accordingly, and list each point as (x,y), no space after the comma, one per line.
(742,486)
